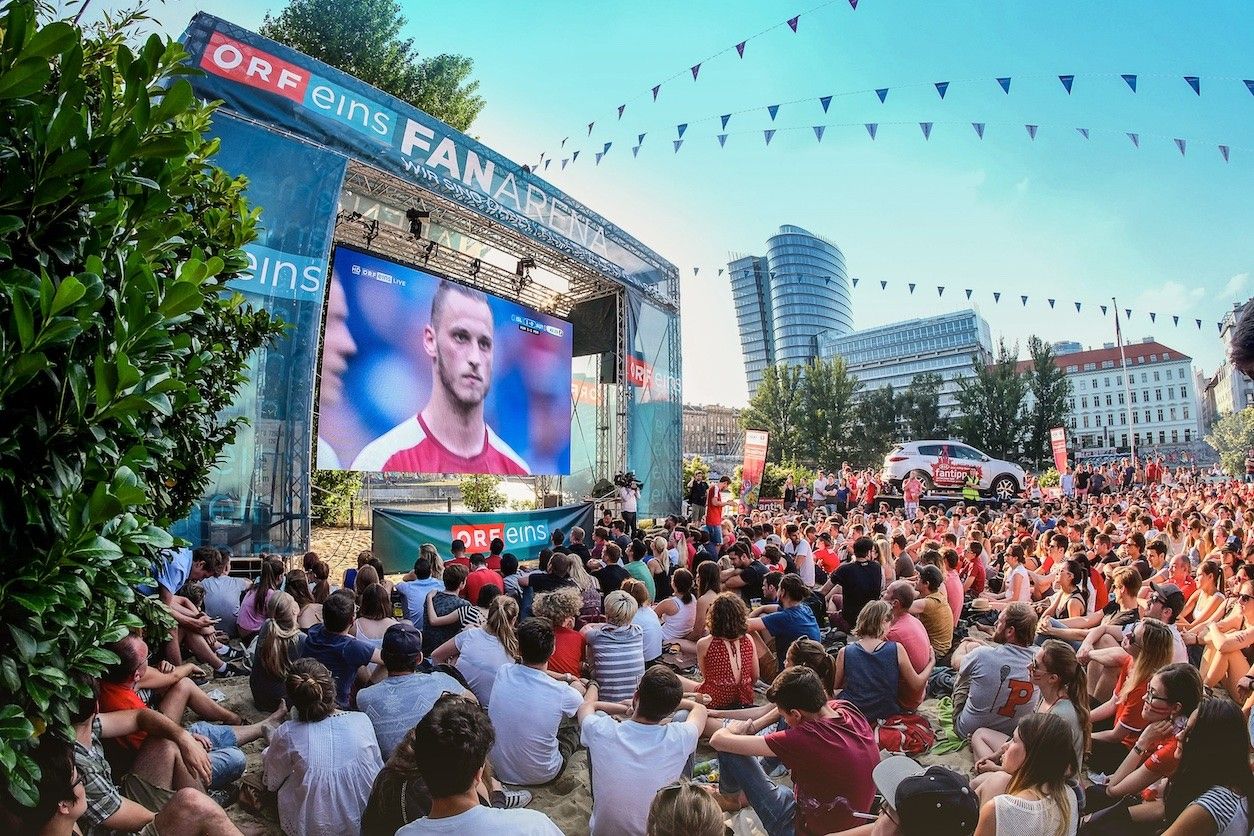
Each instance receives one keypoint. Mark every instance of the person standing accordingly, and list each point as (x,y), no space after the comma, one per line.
(911,492)
(714,503)
(697,490)
(629,497)
(790,494)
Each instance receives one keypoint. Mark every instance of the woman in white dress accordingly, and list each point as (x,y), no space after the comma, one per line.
(1039,800)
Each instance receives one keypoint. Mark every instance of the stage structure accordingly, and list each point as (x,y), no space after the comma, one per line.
(332,160)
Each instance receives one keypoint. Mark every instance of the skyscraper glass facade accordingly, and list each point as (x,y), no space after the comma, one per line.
(787,298)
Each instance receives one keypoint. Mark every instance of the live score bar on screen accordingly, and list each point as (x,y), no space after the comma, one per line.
(421,374)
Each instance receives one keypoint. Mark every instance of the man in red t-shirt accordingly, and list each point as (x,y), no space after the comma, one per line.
(828,747)
(479,577)
(825,555)
(714,503)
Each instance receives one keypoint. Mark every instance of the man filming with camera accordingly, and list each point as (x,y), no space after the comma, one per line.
(629,496)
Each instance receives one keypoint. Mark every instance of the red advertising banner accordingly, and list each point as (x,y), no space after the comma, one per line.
(1058,442)
(754,465)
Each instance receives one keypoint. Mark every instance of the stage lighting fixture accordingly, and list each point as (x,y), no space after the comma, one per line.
(474,267)
(524,268)
(431,248)
(415,217)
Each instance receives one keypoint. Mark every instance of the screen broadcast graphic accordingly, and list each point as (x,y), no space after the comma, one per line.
(421,374)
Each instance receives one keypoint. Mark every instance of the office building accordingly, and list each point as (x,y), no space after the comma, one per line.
(1233,390)
(891,355)
(784,299)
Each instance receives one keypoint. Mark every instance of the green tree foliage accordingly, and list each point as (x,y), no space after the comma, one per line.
(333,493)
(692,466)
(119,346)
(920,409)
(827,414)
(779,408)
(991,405)
(363,38)
(774,475)
(481,492)
(1232,437)
(1049,388)
(875,427)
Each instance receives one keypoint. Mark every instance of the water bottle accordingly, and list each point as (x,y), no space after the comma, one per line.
(398,604)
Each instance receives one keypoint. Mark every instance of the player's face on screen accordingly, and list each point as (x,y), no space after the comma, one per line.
(337,345)
(461,346)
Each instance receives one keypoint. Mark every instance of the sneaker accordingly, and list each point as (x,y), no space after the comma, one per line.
(510,799)
(232,671)
(230,654)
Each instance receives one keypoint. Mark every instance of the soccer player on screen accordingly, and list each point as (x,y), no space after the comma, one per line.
(337,348)
(449,434)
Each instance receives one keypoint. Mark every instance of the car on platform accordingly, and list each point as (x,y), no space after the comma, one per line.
(944,465)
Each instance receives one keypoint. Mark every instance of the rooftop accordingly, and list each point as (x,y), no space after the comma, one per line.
(1148,350)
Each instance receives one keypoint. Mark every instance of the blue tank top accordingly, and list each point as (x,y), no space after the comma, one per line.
(871,680)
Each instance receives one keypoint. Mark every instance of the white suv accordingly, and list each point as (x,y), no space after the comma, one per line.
(944,465)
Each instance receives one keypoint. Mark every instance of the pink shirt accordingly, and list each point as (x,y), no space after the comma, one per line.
(910,633)
(953,591)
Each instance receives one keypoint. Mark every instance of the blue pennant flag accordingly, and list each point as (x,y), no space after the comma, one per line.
(1136,139)
(640,139)
(696,68)
(1077,307)
(1051,303)
(1199,324)
(941,87)
(681,129)
(792,22)
(1066,82)
(1223,152)
(546,164)
(912,286)
(1175,321)
(940,290)
(574,156)
(1025,301)
(871,128)
(818,132)
(696,270)
(769,134)
(1103,310)
(1220,327)
(979,129)
(996,297)
(656,89)
(1153,317)
(968,293)
(883,284)
(825,101)
(563,145)
(772,109)
(677,142)
(1195,83)
(926,127)
(621,108)
(1031,130)
(722,140)
(599,155)
(1180,145)
(855,282)
(564,162)
(882,93)
(1084,132)
(606,149)
(1249,84)
(1131,80)
(590,124)
(635,150)
(740,48)
(720,271)
(1127,313)
(725,117)
(1005,83)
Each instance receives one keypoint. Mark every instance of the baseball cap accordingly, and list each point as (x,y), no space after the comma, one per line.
(1170,595)
(401,641)
(932,800)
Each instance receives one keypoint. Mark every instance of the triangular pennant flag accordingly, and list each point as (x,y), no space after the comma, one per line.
(1136,139)
(1195,83)
(1223,151)
(1199,324)
(1220,327)
(1175,321)
(635,150)
(818,132)
(979,129)
(882,93)
(696,68)
(1249,83)
(621,108)
(1084,132)
(825,101)
(590,124)
(940,290)
(725,117)
(720,271)
(883,284)
(871,128)
(1066,82)
(722,140)
(1131,80)
(640,139)
(606,149)
(1077,307)
(696,270)
(912,286)
(1051,303)
(677,143)
(1031,131)
(656,89)
(564,162)
(941,87)
(996,297)
(681,129)
(853,4)
(740,48)
(599,155)
(1180,145)
(792,22)
(968,293)
(1005,83)
(1025,301)
(1103,310)
(926,127)
(769,134)
(546,164)
(855,282)
(772,109)
(563,145)
(574,156)
(1127,312)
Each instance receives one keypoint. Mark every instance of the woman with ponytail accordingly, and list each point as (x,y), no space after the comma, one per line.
(320,795)
(481,651)
(279,644)
(678,612)
(1063,686)
(310,611)
(252,608)
(1039,799)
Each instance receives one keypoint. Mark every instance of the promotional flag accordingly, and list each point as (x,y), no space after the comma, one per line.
(754,465)
(1058,443)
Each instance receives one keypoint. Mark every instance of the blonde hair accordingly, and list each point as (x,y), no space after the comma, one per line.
(684,810)
(502,615)
(282,637)
(659,546)
(557,606)
(620,608)
(1157,645)
(580,575)
(873,620)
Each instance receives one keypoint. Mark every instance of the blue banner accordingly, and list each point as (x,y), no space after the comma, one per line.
(398,535)
(654,406)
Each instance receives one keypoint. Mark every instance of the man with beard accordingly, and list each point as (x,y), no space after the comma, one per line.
(449,434)
(337,347)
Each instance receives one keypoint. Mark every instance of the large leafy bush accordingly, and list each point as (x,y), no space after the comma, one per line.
(118,344)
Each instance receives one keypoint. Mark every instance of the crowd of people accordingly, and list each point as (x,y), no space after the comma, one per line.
(1093,649)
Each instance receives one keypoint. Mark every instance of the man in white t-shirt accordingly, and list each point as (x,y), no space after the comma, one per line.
(802,555)
(631,760)
(451,745)
(536,740)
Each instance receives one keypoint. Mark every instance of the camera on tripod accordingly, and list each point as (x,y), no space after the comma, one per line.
(628,480)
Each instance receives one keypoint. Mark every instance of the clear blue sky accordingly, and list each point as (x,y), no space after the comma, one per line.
(1058,217)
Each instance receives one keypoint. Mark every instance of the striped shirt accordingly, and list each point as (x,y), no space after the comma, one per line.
(1229,810)
(617,658)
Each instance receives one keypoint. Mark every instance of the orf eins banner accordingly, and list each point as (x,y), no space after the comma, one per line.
(1058,442)
(754,465)
(399,534)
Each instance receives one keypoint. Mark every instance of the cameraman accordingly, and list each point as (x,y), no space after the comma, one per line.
(629,496)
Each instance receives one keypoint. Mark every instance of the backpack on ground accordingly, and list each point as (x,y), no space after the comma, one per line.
(905,734)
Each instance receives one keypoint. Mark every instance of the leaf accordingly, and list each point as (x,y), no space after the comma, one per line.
(68,292)
(24,78)
(181,298)
(53,39)
(176,100)
(22,640)
(10,223)
(24,320)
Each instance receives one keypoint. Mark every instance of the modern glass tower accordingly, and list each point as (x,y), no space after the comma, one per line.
(785,299)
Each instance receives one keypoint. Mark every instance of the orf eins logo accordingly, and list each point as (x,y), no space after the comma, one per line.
(240,62)
(479,537)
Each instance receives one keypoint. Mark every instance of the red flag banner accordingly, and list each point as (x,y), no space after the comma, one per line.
(754,465)
(1058,443)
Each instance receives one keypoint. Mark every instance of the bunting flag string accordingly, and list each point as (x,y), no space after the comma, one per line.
(772,109)
(940,290)
(979,129)
(996,297)
(1005,84)
(941,87)
(1025,301)
(926,127)
(969,291)
(1067,81)
(1051,303)
(912,286)
(1031,131)
(825,101)
(818,131)
(769,134)
(871,128)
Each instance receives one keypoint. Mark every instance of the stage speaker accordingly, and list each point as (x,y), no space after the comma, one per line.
(609,369)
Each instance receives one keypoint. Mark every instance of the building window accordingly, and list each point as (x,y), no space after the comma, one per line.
(1071,404)
(1136,439)
(1088,367)
(1072,369)
(1162,436)
(1133,397)
(1156,375)
(1172,413)
(1145,395)
(1119,380)
(1140,358)
(1121,403)
(1147,416)
(1158,394)
(1186,413)
(1110,419)
(1153,358)
(1188,435)
(1160,416)
(1105,380)
(1073,422)
(1180,373)
(1123,418)
(1086,422)
(1084,402)
(1123,439)
(1143,378)
(1108,400)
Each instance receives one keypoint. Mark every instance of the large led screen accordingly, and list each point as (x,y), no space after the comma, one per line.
(421,374)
